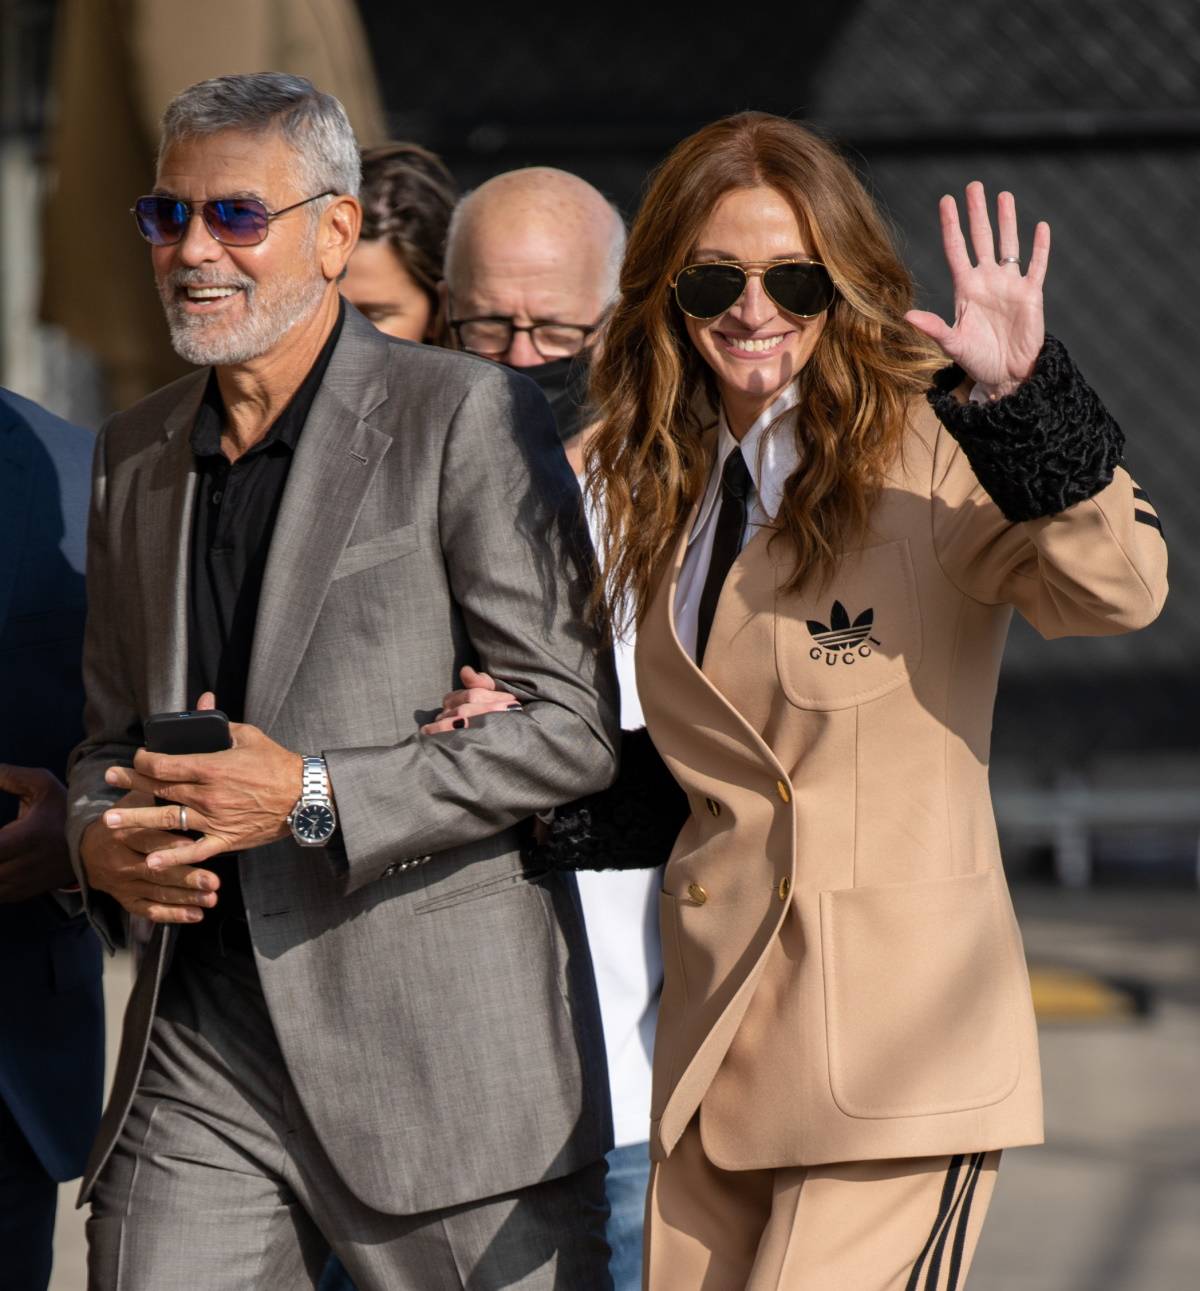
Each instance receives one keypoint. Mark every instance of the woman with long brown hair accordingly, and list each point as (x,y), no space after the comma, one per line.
(395,273)
(820,531)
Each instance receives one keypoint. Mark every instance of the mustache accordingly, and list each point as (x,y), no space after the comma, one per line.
(181,278)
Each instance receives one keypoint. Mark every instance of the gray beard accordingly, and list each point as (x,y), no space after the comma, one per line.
(204,341)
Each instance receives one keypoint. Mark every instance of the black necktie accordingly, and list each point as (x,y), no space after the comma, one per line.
(727,541)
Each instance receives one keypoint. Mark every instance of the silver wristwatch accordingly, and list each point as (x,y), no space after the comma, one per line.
(313,819)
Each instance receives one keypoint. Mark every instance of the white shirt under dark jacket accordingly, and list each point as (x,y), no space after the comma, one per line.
(620,909)
(770,459)
(620,906)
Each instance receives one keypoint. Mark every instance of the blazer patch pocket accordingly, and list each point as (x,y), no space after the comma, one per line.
(920,1007)
(855,636)
(377,551)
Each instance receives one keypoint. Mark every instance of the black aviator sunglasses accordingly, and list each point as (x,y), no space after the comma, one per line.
(232,221)
(799,287)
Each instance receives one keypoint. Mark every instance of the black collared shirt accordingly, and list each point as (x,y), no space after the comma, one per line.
(232,525)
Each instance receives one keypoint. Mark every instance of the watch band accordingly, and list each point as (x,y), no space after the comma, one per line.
(314,782)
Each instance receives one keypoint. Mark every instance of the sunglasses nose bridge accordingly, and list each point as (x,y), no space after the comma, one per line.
(754,306)
(199,243)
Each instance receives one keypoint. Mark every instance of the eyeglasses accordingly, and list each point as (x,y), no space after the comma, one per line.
(800,287)
(233,221)
(494,334)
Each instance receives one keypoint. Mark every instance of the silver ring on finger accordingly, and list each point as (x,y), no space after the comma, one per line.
(183,819)
(1010,259)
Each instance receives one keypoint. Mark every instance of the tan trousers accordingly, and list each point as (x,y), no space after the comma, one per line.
(908,1225)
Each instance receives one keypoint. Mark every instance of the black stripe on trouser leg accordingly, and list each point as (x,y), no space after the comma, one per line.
(943,1210)
(964,1219)
(935,1260)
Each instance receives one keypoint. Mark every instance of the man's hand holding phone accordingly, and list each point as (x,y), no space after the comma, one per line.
(237,798)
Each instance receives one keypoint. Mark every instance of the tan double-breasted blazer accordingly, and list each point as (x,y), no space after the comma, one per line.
(844,977)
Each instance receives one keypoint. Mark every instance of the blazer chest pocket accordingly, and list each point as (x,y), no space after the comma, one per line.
(377,551)
(852,638)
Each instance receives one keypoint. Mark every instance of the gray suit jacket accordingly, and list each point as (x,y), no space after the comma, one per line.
(439,1022)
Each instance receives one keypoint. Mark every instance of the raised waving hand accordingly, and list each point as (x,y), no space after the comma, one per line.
(998,327)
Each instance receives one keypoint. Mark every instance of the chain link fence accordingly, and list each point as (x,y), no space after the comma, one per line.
(1090,113)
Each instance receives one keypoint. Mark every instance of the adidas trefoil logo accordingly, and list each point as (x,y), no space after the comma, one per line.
(842,641)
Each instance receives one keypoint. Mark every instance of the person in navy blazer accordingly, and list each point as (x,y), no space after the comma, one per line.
(51,1014)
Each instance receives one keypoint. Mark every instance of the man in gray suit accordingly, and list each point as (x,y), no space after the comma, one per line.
(362,1021)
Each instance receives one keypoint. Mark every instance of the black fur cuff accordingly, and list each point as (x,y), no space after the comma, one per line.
(632,825)
(1049,444)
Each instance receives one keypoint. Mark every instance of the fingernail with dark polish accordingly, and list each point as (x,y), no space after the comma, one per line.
(459,723)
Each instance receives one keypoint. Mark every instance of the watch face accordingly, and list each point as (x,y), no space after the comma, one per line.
(314,823)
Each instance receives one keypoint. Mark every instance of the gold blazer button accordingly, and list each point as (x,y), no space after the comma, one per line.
(783,791)
(697,893)
(714,807)
(785,886)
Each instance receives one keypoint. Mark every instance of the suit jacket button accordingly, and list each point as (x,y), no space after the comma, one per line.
(785,887)
(714,807)
(783,791)
(697,893)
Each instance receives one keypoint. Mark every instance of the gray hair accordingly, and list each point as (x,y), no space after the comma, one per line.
(313,123)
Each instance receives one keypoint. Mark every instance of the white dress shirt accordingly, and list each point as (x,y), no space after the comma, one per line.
(770,459)
(620,909)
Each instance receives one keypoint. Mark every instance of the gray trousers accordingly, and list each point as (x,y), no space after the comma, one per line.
(218,1182)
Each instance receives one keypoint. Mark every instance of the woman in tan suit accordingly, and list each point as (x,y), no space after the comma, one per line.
(821,536)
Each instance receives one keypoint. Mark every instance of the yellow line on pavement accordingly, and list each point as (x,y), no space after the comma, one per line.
(1068,995)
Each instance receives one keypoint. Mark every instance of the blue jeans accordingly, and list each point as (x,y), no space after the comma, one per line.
(628,1177)
(335,1277)
(625,1185)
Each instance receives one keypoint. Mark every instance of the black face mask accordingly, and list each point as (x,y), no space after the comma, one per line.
(564,382)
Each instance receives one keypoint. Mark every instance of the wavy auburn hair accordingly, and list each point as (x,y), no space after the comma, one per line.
(654,394)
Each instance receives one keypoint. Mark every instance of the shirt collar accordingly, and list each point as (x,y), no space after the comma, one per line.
(286,428)
(770,458)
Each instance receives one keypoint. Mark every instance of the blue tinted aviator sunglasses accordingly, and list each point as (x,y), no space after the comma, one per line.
(232,221)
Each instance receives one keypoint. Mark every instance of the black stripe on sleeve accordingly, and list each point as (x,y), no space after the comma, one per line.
(1141,495)
(942,1212)
(1146,517)
(964,1219)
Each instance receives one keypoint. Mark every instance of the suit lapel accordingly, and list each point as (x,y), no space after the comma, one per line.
(164,543)
(661,658)
(16,497)
(335,462)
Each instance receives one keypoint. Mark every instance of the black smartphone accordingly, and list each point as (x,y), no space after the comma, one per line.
(197,731)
